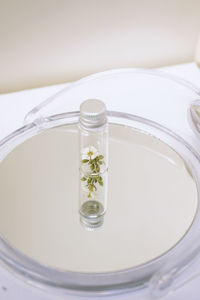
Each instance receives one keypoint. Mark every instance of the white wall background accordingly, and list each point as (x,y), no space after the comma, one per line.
(50,41)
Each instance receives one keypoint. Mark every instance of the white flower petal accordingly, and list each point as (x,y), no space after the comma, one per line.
(86,150)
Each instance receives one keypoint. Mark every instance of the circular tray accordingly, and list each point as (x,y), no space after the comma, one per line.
(153,211)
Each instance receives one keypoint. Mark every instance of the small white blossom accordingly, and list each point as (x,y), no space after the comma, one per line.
(89,152)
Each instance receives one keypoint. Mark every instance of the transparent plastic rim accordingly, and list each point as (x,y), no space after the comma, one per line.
(38,110)
(110,282)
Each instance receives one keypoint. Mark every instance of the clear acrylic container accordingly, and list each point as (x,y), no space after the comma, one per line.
(136,99)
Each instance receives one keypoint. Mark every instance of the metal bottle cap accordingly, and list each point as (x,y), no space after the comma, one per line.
(93,113)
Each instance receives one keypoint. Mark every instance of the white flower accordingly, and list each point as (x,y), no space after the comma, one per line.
(89,152)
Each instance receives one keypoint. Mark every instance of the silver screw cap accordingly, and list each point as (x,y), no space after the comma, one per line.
(93,113)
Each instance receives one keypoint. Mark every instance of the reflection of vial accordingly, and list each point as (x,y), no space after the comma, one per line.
(93,137)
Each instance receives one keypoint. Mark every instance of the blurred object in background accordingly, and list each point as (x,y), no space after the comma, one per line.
(197,53)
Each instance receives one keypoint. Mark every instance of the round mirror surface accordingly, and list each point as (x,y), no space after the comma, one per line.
(152,201)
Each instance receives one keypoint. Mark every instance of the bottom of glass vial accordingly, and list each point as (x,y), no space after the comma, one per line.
(92,214)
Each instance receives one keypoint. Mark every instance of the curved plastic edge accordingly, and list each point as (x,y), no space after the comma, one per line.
(37,112)
(175,275)
(194,117)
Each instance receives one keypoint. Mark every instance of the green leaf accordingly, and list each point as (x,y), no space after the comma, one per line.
(101,183)
(85,161)
(83,179)
(101,156)
(100,162)
(97,168)
(92,167)
(90,187)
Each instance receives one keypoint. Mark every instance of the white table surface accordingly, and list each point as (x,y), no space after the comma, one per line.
(13,108)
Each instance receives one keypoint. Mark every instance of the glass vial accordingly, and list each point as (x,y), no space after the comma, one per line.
(93,145)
